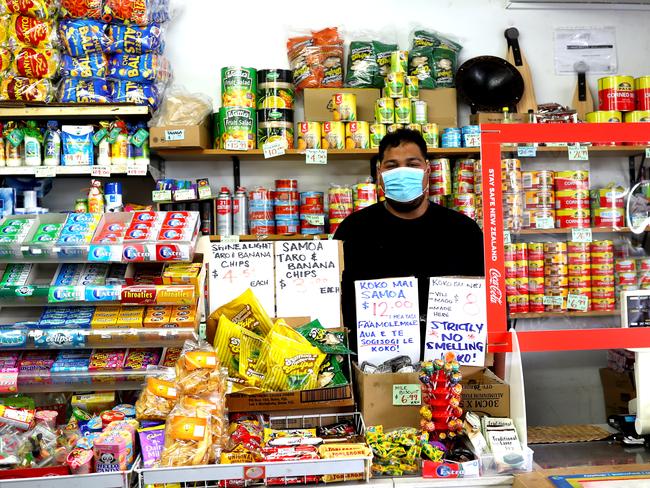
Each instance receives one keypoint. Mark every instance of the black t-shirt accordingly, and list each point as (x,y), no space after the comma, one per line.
(377,244)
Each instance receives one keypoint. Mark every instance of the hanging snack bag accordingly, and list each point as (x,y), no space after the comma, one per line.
(79,90)
(188,435)
(40,9)
(18,31)
(245,310)
(145,68)
(198,369)
(158,396)
(132,39)
(83,36)
(35,63)
(81,9)
(20,89)
(444,67)
(90,66)
(362,65)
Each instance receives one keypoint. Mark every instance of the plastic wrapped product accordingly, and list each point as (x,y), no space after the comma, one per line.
(83,36)
(131,92)
(139,12)
(145,68)
(133,39)
(90,66)
(81,9)
(35,63)
(16,88)
(19,30)
(79,90)
(40,9)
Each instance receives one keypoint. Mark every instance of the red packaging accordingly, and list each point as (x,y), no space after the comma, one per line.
(579,258)
(603,292)
(171,252)
(536,286)
(580,281)
(627,279)
(138,235)
(145,216)
(571,222)
(579,270)
(135,253)
(174,234)
(617,221)
(602,246)
(535,268)
(287,228)
(257,230)
(536,303)
(578,247)
(625,266)
(111,416)
(511,286)
(602,281)
(287,210)
(177,214)
(513,304)
(603,304)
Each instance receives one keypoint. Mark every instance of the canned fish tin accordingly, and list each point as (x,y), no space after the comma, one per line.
(402,111)
(384,110)
(430,134)
(399,61)
(394,85)
(451,137)
(642,92)
(616,93)
(344,107)
(537,180)
(393,128)
(419,112)
(467,131)
(275,89)
(357,135)
(414,127)
(238,87)
(312,198)
(412,87)
(539,199)
(237,123)
(377,133)
(571,180)
(333,135)
(627,279)
(608,217)
(625,266)
(309,135)
(602,246)
(613,197)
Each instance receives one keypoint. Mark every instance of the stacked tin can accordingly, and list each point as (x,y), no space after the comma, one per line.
(512,194)
(603,293)
(535,277)
(579,262)
(643,273)
(539,198)
(312,212)
(364,195)
(478,191)
(261,217)
(628,275)
(608,207)
(516,264)
(286,203)
(556,274)
(439,180)
(572,205)
(464,198)
(340,204)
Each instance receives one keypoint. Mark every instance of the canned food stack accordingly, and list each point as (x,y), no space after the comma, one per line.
(439,180)
(539,198)
(308,135)
(643,273)
(287,208)
(345,131)
(572,206)
(516,266)
(340,204)
(275,103)
(464,199)
(451,137)
(365,194)
(467,132)
(478,190)
(579,262)
(605,117)
(627,276)
(261,218)
(616,93)
(608,207)
(602,276)
(642,93)
(556,274)
(640,115)
(535,277)
(237,120)
(512,194)
(312,212)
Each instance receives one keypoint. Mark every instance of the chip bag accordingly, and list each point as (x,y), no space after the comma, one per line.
(198,370)
(362,65)
(142,68)
(330,373)
(40,9)
(158,397)
(18,31)
(132,39)
(328,341)
(132,92)
(35,63)
(80,90)
(188,435)
(81,9)
(317,59)
(139,12)
(90,66)
(83,36)
(218,421)
(20,89)
(249,358)
(245,310)
(227,343)
(5,60)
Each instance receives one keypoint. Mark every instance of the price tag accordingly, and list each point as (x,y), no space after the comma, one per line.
(45,171)
(407,395)
(578,153)
(161,195)
(526,151)
(581,235)
(273,149)
(647,152)
(316,156)
(315,219)
(186,194)
(230,239)
(544,223)
(554,301)
(472,140)
(506,237)
(577,302)
(236,145)
(204,192)
(100,171)
(134,168)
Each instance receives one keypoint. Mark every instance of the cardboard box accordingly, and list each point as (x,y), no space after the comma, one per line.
(485,393)
(442,106)
(375,401)
(496,118)
(318,103)
(618,390)
(181,136)
(539,479)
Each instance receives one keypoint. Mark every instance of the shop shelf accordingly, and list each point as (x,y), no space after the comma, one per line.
(60,170)
(60,338)
(81,381)
(595,151)
(14,110)
(276,237)
(594,230)
(542,315)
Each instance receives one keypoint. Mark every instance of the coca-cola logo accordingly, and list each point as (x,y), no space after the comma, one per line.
(495,291)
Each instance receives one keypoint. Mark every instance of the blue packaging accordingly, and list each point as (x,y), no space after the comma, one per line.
(11,338)
(122,91)
(83,36)
(7,201)
(141,68)
(53,338)
(133,39)
(90,66)
(451,137)
(102,293)
(80,90)
(80,217)
(77,146)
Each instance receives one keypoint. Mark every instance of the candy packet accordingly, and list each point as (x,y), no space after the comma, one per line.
(40,9)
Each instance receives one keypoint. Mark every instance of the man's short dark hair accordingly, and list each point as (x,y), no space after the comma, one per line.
(399,137)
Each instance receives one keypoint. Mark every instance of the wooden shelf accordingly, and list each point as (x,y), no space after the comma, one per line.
(278,237)
(594,230)
(542,315)
(59,111)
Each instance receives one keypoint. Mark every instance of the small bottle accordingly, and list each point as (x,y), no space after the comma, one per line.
(104,147)
(507,119)
(81,205)
(52,144)
(13,153)
(3,158)
(95,197)
(113,197)
(119,149)
(32,143)
(141,154)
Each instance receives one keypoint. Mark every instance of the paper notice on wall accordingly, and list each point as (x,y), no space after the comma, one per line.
(308,280)
(594,46)
(388,319)
(235,267)
(456,320)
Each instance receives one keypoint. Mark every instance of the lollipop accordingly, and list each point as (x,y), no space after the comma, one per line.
(449,357)
(455,366)
(425,412)
(438,364)
(455,378)
(457,389)
(427,367)
(454,401)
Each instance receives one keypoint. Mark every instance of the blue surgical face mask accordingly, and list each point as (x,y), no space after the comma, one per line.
(403,184)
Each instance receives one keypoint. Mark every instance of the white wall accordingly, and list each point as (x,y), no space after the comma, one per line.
(207,35)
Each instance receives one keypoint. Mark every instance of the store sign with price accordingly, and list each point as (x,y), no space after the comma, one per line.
(273,149)
(409,394)
(316,156)
(581,235)
(577,302)
(388,319)
(578,153)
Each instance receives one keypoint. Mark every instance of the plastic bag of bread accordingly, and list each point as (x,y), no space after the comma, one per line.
(188,435)
(246,311)
(17,31)
(41,9)
(35,63)
(215,403)
(158,397)
(180,107)
(20,89)
(198,370)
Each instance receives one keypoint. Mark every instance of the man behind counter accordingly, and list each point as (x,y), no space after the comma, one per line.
(405,235)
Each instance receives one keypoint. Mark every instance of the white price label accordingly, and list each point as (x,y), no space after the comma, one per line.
(578,153)
(175,135)
(205,192)
(581,235)
(230,239)
(553,301)
(236,145)
(186,194)
(316,156)
(161,195)
(136,169)
(526,151)
(275,148)
(506,237)
(647,152)
(472,140)
(100,171)
(315,219)
(45,172)
(577,302)
(544,223)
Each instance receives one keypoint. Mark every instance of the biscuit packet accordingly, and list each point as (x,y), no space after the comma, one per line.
(246,311)
(188,435)
(158,397)
(198,369)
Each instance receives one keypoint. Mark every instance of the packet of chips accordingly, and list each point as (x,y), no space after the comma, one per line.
(330,373)
(421,66)
(90,66)
(5,60)
(227,343)
(132,39)
(141,68)
(249,356)
(86,9)
(35,63)
(20,89)
(382,52)
(328,341)
(18,31)
(81,37)
(427,38)
(188,435)
(198,369)
(362,65)
(246,311)
(218,423)
(158,397)
(40,9)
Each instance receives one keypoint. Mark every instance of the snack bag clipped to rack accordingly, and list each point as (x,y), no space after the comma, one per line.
(81,9)
(18,31)
(198,370)
(188,435)
(317,59)
(158,396)
(40,9)
(246,311)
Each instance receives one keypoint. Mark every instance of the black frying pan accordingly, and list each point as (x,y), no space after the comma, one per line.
(488,84)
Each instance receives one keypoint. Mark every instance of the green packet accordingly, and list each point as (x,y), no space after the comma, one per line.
(18,401)
(330,373)
(328,341)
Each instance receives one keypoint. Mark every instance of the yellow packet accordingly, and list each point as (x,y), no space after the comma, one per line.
(227,342)
(281,329)
(291,365)
(246,311)
(250,369)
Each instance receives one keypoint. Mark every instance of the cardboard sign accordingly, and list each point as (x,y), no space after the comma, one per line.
(388,319)
(308,280)
(456,320)
(235,267)
(407,394)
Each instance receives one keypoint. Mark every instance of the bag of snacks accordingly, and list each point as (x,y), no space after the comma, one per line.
(81,9)
(198,370)
(81,90)
(246,311)
(188,435)
(158,396)
(90,66)
(81,37)
(35,63)
(317,59)
(139,12)
(18,31)
(141,68)
(20,89)
(132,39)
(5,60)
(215,404)
(40,9)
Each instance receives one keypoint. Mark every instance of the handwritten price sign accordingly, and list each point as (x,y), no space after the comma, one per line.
(407,395)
